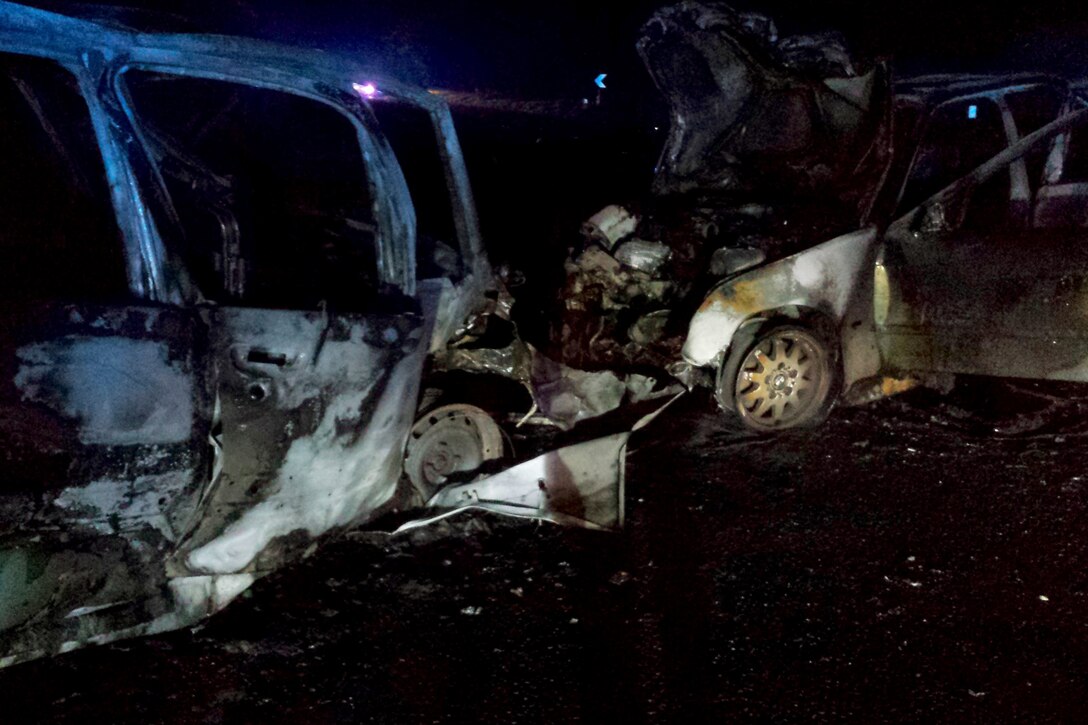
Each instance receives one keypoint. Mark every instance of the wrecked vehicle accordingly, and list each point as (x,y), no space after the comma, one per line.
(975,273)
(772,142)
(228,265)
(939,234)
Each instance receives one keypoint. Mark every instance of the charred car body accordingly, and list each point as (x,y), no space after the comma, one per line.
(856,236)
(227,265)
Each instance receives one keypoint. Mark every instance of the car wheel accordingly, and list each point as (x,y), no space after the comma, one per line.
(452,439)
(783,379)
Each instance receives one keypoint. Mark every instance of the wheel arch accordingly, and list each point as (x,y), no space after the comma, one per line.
(821,322)
(492,392)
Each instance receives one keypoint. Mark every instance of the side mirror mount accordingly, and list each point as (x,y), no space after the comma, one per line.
(944,214)
(930,219)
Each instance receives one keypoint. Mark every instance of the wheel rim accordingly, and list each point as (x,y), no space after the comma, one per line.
(782,380)
(449,440)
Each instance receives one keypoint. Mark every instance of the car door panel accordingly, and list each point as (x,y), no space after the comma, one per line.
(974,288)
(969,304)
(313,428)
(104,395)
(106,414)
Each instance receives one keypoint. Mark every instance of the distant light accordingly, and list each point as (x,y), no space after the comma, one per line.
(599,80)
(367,90)
(972,111)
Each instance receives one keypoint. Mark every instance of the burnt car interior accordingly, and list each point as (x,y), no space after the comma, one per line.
(269,189)
(410,131)
(54,191)
(959,136)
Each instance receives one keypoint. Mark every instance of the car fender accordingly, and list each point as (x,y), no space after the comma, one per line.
(828,277)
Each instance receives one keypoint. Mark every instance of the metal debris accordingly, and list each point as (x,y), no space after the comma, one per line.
(752,111)
(580,485)
(610,225)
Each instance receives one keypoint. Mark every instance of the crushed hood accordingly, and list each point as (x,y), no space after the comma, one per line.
(753,112)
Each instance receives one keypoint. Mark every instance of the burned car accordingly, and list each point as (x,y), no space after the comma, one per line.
(870,236)
(228,264)
(772,142)
(977,271)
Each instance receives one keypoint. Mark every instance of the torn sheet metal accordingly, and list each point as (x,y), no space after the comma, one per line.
(580,485)
(564,396)
(513,361)
(602,302)
(755,112)
(567,396)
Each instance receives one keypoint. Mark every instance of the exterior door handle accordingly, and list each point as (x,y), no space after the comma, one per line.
(258,361)
(259,356)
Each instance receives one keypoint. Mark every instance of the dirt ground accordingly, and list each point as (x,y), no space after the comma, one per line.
(918,559)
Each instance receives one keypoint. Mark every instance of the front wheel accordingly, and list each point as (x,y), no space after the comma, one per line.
(783,379)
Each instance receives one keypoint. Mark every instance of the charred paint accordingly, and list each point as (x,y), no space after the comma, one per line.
(754,111)
(121,391)
(162,452)
(746,297)
(824,278)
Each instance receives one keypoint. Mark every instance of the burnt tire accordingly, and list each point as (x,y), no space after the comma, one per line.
(785,377)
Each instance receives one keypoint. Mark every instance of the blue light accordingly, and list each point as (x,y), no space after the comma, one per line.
(599,80)
(972,111)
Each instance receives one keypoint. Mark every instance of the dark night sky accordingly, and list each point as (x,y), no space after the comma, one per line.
(555,48)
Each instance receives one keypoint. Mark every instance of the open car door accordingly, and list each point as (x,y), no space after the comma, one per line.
(317,343)
(972,282)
